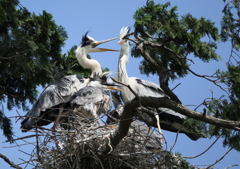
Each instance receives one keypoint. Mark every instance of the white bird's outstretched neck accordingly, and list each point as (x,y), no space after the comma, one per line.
(122,75)
(94,65)
(88,45)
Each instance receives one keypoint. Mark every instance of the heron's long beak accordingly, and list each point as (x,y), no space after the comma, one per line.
(104,41)
(103,49)
(113,88)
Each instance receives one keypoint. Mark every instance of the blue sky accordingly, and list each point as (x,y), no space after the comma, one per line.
(104,19)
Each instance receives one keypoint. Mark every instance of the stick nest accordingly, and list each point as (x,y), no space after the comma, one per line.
(79,147)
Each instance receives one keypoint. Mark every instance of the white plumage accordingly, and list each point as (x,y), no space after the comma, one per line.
(169,119)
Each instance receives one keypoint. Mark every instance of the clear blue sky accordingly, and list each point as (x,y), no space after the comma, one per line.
(105,19)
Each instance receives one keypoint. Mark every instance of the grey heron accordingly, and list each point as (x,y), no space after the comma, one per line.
(89,45)
(88,102)
(170,120)
(61,90)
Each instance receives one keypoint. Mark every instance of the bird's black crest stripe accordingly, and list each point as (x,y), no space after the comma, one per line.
(85,40)
(129,28)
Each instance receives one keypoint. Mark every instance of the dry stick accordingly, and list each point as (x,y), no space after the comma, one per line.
(176,138)
(235,165)
(205,150)
(158,122)
(9,162)
(220,158)
(176,86)
(37,147)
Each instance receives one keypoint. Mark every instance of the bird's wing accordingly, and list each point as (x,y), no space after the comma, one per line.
(167,114)
(172,121)
(151,86)
(56,93)
(86,95)
(90,102)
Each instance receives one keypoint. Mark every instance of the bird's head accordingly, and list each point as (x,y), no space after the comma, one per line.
(103,83)
(90,44)
(123,32)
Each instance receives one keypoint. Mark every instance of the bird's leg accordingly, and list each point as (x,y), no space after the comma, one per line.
(55,125)
(159,129)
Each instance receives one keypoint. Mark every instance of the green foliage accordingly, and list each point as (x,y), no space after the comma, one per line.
(231,23)
(175,160)
(30,51)
(196,126)
(30,44)
(6,126)
(178,36)
(227,107)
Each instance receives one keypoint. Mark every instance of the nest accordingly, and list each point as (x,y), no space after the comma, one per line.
(79,146)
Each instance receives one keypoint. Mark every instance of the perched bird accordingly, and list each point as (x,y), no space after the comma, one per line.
(63,88)
(60,91)
(89,102)
(89,45)
(169,119)
(139,133)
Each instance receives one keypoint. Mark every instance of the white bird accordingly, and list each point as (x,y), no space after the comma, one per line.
(88,46)
(169,119)
(62,89)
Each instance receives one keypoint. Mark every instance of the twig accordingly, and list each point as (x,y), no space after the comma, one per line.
(235,165)
(21,138)
(220,158)
(176,86)
(128,86)
(9,162)
(205,150)
(176,137)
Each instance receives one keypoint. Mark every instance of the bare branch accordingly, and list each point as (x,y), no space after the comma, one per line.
(220,158)
(235,165)
(9,162)
(205,150)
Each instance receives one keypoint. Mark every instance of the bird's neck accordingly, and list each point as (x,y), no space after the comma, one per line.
(86,63)
(122,65)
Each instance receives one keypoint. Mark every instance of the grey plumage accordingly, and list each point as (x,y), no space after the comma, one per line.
(90,102)
(59,91)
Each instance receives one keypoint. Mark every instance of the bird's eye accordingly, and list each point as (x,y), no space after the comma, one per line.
(93,44)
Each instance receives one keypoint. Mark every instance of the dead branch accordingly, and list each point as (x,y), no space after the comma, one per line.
(205,150)
(220,158)
(9,162)
(235,165)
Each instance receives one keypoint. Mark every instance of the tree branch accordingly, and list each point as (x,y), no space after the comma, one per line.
(160,73)
(9,162)
(130,108)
